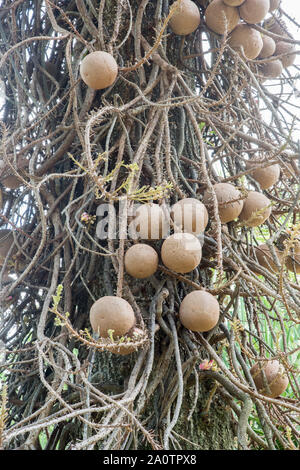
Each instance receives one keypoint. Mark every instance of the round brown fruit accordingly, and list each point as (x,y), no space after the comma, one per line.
(233,3)
(266,177)
(272,69)
(276,378)
(293,260)
(268,49)
(189,215)
(217,12)
(225,193)
(186,18)
(199,311)
(248,38)
(99,70)
(181,252)
(256,209)
(265,257)
(150,222)
(254,11)
(141,261)
(274,4)
(289,50)
(111,313)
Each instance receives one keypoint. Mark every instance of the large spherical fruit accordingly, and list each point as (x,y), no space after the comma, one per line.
(189,215)
(266,177)
(150,222)
(181,252)
(141,261)
(256,209)
(293,260)
(274,4)
(186,19)
(233,3)
(275,376)
(268,49)
(217,14)
(248,38)
(272,69)
(199,311)
(225,193)
(254,11)
(265,257)
(99,70)
(288,49)
(111,313)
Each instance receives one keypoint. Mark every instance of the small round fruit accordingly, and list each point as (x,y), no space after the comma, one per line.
(293,260)
(111,313)
(265,257)
(99,70)
(225,193)
(272,69)
(189,215)
(254,11)
(268,49)
(276,378)
(289,50)
(220,17)
(248,38)
(233,3)
(266,177)
(199,311)
(181,252)
(274,4)
(141,261)
(150,222)
(186,18)
(256,209)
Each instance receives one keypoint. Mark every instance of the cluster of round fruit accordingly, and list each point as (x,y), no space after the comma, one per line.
(236,18)
(181,252)
(99,69)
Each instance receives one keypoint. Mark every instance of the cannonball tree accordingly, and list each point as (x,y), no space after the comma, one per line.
(111,113)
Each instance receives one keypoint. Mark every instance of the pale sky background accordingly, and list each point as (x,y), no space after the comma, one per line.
(292,8)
